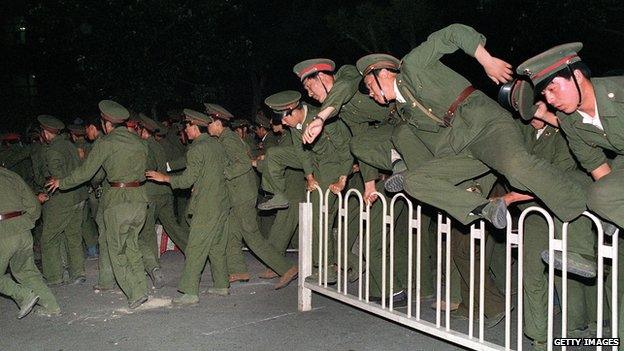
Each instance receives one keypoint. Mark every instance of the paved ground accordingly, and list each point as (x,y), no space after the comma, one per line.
(254,317)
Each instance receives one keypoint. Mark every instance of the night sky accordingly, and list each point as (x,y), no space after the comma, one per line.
(157,57)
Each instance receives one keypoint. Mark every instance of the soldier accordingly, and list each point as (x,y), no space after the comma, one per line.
(123,156)
(467,132)
(62,211)
(589,111)
(19,210)
(266,138)
(368,121)
(88,228)
(160,206)
(243,189)
(14,156)
(207,211)
(326,164)
(284,226)
(547,142)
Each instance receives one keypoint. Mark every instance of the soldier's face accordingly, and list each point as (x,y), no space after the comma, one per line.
(92,132)
(374,89)
(562,94)
(144,134)
(315,89)
(380,86)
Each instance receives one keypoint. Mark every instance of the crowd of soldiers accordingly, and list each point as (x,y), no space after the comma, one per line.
(382,126)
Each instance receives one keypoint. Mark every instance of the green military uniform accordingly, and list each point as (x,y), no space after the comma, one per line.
(243,190)
(266,218)
(286,220)
(367,120)
(38,167)
(479,136)
(551,146)
(207,211)
(88,228)
(160,205)
(175,155)
(14,156)
(327,159)
(62,213)
(589,142)
(16,244)
(123,205)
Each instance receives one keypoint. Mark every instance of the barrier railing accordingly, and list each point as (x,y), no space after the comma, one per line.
(386,309)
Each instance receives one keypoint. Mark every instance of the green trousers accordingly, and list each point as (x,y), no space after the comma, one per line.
(16,252)
(243,225)
(460,254)
(61,231)
(581,294)
(106,278)
(122,224)
(278,159)
(399,278)
(89,228)
(500,147)
(206,242)
(160,208)
(286,221)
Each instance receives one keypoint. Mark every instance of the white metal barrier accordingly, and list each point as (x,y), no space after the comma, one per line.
(415,320)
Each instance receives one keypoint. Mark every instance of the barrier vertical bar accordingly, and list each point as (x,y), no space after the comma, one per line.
(418,260)
(304,296)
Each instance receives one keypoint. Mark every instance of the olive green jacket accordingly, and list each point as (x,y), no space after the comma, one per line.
(240,178)
(157,160)
(60,158)
(551,146)
(38,167)
(357,110)
(589,142)
(123,156)
(205,168)
(424,80)
(331,148)
(15,195)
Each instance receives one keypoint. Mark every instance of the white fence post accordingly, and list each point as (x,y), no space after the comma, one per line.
(305,255)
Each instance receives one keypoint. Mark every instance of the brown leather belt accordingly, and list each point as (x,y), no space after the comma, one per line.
(134,184)
(448,116)
(8,215)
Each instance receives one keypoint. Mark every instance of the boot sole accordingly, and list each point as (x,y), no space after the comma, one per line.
(394,183)
(263,207)
(573,267)
(499,219)
(28,308)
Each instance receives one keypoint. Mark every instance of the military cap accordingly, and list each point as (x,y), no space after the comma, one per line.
(113,112)
(371,62)
(518,96)
(217,111)
(541,69)
(152,125)
(10,137)
(283,100)
(305,68)
(263,121)
(77,129)
(50,123)
(197,117)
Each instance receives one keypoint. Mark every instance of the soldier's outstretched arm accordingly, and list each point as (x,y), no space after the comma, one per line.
(445,41)
(101,151)
(194,164)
